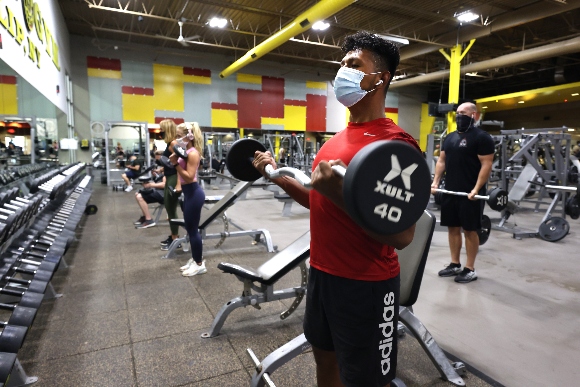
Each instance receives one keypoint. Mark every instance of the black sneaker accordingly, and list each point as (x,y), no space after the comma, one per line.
(466,276)
(139,221)
(452,270)
(147,224)
(166,247)
(167,241)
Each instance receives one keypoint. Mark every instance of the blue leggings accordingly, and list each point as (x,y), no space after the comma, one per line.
(194,198)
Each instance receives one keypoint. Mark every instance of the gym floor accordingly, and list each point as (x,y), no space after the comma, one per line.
(128,318)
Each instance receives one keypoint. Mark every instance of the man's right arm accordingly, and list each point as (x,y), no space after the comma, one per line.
(439,169)
(288,184)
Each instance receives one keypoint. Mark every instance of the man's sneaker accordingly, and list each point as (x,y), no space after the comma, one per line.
(147,224)
(195,269)
(466,276)
(139,221)
(129,188)
(187,265)
(450,271)
(167,241)
(166,247)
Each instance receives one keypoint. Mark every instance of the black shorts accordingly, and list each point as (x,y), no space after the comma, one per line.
(459,211)
(357,320)
(153,196)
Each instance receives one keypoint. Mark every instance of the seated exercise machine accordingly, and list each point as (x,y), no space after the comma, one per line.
(217,211)
(412,260)
(262,281)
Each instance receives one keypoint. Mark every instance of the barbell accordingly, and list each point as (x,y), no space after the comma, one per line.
(497,198)
(385,187)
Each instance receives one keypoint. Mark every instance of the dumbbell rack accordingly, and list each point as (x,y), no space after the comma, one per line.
(66,193)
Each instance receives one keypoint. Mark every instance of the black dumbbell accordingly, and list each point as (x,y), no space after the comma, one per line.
(48,256)
(22,316)
(33,285)
(12,337)
(42,265)
(27,298)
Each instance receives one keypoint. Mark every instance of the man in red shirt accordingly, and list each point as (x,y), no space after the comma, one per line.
(352,300)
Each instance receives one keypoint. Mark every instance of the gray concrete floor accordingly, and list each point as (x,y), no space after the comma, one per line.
(127,318)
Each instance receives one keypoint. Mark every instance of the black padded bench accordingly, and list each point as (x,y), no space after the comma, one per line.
(216,211)
(262,281)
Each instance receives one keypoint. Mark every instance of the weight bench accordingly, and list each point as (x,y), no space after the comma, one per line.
(262,281)
(412,260)
(287,200)
(215,212)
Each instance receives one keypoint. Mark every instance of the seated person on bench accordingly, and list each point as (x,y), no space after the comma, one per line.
(152,192)
(131,172)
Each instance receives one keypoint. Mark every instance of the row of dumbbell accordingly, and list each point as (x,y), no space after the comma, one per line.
(16,212)
(10,175)
(62,182)
(28,265)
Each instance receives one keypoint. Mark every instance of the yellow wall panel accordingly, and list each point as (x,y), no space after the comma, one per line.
(393,116)
(100,73)
(168,87)
(426,126)
(316,85)
(295,117)
(9,99)
(139,107)
(197,79)
(222,118)
(249,78)
(273,121)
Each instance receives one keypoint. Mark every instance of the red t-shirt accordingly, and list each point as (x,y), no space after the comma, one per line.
(338,245)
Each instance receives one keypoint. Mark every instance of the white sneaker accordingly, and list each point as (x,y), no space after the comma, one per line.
(195,269)
(187,265)
(129,188)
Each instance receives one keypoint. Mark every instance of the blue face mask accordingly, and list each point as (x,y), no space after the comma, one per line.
(347,86)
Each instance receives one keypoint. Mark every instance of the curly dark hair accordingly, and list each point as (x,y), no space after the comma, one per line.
(385,53)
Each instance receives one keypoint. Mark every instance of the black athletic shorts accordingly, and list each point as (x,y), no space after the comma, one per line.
(153,196)
(357,320)
(459,211)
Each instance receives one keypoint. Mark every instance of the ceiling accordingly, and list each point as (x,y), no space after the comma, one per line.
(504,27)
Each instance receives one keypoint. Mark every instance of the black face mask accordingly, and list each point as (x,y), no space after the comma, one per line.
(463,122)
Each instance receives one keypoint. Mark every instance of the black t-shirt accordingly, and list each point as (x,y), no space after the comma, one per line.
(168,171)
(462,163)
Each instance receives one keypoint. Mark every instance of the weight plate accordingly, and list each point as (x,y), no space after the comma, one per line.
(554,229)
(387,186)
(573,175)
(164,161)
(485,229)
(439,195)
(91,209)
(179,151)
(498,199)
(239,159)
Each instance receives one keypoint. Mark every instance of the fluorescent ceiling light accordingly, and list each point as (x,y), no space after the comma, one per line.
(473,74)
(320,25)
(465,17)
(570,129)
(484,107)
(395,39)
(522,102)
(575,95)
(218,22)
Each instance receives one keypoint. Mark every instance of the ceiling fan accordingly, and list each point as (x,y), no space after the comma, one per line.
(184,41)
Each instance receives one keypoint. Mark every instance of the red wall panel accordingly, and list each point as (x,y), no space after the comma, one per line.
(273,97)
(7,79)
(249,108)
(94,62)
(198,72)
(176,120)
(315,113)
(224,106)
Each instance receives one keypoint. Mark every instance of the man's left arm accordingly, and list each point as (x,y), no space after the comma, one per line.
(486,163)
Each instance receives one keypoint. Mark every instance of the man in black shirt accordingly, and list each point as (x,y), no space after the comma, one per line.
(466,158)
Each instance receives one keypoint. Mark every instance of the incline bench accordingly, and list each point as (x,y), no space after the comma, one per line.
(412,260)
(215,212)
(262,281)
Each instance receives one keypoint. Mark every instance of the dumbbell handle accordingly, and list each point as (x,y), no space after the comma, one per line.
(297,174)
(461,194)
(562,188)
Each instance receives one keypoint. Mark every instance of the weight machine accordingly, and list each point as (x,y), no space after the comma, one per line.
(114,174)
(551,145)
